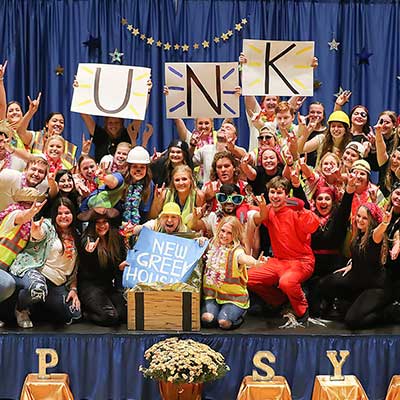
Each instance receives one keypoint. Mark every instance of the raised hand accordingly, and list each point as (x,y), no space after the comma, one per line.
(147,134)
(90,246)
(242,58)
(166,90)
(373,193)
(34,104)
(86,144)
(343,98)
(158,191)
(36,228)
(3,68)
(149,85)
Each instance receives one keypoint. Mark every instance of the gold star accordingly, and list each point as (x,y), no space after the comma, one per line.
(244,21)
(224,36)
(142,36)
(130,27)
(124,21)
(238,27)
(150,41)
(159,43)
(205,43)
(196,46)
(167,46)
(176,46)
(230,33)
(216,39)
(59,70)
(135,31)
(185,47)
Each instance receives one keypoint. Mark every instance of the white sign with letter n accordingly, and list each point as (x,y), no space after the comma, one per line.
(111,90)
(278,68)
(202,90)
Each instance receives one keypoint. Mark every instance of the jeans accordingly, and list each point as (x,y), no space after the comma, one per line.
(7,285)
(228,311)
(50,299)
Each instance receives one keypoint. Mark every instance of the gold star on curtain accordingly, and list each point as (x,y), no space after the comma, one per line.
(159,43)
(238,27)
(143,36)
(185,47)
(167,46)
(224,36)
(59,70)
(196,46)
(244,21)
(124,21)
(150,41)
(176,46)
(135,31)
(205,43)
(216,39)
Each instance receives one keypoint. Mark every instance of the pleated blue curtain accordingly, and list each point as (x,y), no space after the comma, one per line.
(36,36)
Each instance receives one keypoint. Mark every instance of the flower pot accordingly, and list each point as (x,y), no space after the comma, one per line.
(180,391)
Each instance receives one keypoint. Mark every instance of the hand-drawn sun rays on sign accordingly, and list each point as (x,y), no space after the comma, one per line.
(111,90)
(278,68)
(202,90)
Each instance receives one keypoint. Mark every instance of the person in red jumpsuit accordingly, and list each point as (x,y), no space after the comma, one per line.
(290,226)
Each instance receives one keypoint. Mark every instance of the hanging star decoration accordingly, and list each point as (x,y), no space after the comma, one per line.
(363,56)
(339,92)
(116,56)
(186,47)
(59,70)
(317,84)
(333,45)
(93,44)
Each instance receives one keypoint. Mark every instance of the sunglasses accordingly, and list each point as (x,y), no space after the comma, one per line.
(264,137)
(361,113)
(236,199)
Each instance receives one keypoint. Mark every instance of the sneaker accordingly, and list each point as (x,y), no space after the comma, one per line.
(23,319)
(2,324)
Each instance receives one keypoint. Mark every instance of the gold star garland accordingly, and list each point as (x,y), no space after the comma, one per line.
(185,47)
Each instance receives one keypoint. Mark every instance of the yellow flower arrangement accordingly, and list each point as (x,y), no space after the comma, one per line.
(183,361)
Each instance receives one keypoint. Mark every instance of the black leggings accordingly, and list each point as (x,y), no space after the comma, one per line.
(103,306)
(367,303)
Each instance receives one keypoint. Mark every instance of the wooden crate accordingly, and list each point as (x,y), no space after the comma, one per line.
(163,311)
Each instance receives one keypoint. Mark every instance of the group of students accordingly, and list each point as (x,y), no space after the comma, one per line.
(294,222)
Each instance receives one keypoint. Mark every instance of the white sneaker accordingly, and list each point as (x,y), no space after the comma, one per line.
(23,319)
(2,324)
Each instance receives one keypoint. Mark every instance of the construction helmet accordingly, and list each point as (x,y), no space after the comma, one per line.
(339,116)
(138,155)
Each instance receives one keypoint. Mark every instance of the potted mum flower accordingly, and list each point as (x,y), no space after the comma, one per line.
(182,366)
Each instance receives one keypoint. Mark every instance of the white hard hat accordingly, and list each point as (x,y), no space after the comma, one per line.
(138,155)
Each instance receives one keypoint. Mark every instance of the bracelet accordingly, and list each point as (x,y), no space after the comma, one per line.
(74,289)
(385,223)
(1,79)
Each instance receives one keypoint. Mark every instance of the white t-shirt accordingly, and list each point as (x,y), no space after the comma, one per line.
(58,266)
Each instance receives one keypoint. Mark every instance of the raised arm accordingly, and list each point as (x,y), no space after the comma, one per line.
(3,97)
(381,153)
(26,136)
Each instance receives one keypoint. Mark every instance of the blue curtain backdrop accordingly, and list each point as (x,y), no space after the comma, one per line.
(103,367)
(36,36)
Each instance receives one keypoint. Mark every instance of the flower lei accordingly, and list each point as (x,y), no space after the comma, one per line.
(25,230)
(132,202)
(69,245)
(54,165)
(24,183)
(7,160)
(216,265)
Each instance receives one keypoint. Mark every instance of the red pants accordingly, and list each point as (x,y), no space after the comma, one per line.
(276,279)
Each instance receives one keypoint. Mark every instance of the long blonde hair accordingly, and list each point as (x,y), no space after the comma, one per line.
(237,230)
